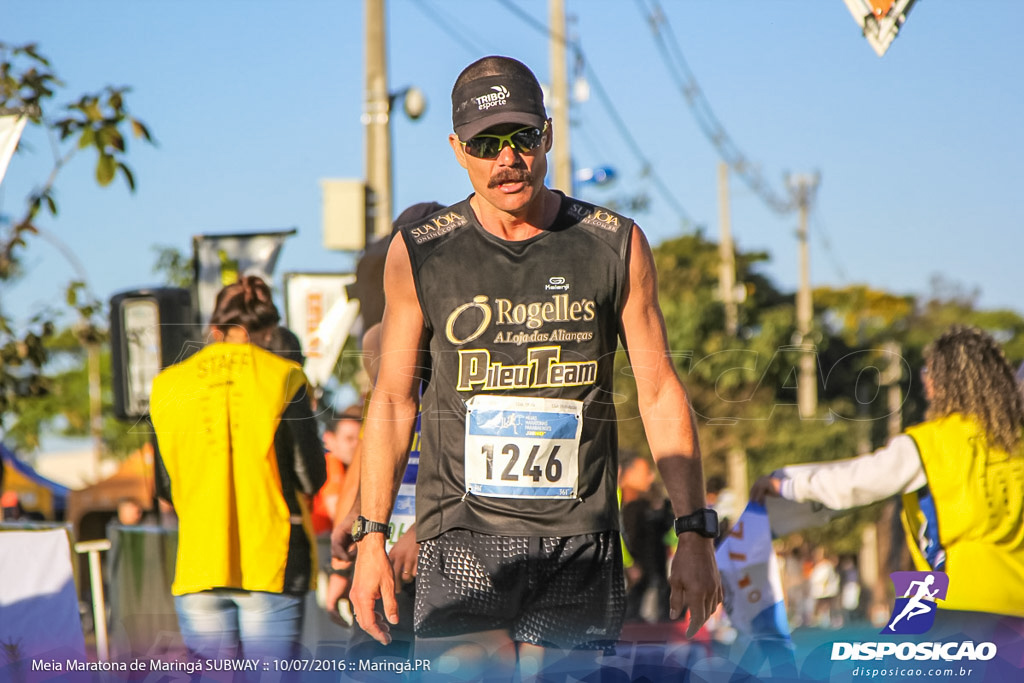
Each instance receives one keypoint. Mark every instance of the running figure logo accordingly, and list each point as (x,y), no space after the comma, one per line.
(916,592)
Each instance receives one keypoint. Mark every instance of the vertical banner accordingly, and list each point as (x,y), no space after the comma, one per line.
(750,576)
(222,259)
(753,597)
(319,312)
(38,601)
(10,133)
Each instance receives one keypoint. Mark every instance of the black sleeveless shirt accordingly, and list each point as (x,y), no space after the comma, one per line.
(536,318)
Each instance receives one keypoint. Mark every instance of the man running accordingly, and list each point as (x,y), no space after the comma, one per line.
(915,605)
(520,296)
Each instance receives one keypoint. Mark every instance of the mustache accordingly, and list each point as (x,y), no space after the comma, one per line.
(510,175)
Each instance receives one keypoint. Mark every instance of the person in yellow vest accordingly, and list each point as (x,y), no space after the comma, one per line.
(960,474)
(245,554)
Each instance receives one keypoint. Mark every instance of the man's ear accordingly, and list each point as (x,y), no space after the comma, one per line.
(457,147)
(217,334)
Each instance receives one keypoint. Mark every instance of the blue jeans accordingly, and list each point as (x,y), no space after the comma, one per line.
(223,623)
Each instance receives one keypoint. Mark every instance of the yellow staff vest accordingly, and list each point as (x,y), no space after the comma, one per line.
(978,496)
(215,416)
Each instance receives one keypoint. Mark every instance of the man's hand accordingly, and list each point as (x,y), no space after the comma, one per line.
(374,580)
(765,486)
(693,577)
(404,556)
(342,545)
(338,586)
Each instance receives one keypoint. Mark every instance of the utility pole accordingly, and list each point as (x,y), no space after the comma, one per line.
(559,105)
(883,548)
(891,378)
(727,269)
(736,458)
(376,106)
(803,188)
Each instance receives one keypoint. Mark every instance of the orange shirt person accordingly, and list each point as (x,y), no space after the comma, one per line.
(341,438)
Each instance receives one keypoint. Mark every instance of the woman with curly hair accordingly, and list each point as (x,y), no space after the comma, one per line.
(960,474)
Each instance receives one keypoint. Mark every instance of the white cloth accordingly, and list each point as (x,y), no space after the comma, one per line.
(38,601)
(844,484)
(824,580)
(750,577)
(10,132)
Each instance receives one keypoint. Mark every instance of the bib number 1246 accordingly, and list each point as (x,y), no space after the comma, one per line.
(522,447)
(552,471)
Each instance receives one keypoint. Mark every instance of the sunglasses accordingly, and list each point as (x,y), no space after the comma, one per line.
(488,146)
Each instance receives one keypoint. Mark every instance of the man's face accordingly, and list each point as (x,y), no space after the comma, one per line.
(638,476)
(511,181)
(129,513)
(341,443)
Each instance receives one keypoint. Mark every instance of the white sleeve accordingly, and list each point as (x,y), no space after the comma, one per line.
(853,482)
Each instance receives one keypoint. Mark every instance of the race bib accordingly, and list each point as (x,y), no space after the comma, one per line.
(522,447)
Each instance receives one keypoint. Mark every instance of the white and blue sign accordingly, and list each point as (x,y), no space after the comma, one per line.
(522,447)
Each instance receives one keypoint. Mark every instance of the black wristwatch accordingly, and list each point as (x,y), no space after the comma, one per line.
(363,526)
(704,522)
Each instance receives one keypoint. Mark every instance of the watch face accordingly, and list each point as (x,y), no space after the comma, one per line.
(704,522)
(357,529)
(710,523)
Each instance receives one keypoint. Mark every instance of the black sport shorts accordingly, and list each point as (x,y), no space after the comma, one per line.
(564,592)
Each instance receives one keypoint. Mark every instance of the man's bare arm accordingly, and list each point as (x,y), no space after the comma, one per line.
(671,433)
(387,435)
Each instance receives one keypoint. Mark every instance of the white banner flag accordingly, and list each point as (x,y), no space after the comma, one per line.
(221,259)
(10,133)
(38,600)
(321,315)
(750,577)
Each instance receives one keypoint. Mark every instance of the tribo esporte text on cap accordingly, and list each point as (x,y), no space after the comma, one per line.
(496,90)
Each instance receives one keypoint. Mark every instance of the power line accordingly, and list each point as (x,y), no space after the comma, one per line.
(826,242)
(647,169)
(709,124)
(463,36)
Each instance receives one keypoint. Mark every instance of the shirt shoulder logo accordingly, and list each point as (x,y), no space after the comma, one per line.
(441,224)
(596,216)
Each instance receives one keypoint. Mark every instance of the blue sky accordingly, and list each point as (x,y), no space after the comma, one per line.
(253,102)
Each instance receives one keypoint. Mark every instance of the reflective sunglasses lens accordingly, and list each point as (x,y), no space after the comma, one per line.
(527,139)
(483,146)
(489,146)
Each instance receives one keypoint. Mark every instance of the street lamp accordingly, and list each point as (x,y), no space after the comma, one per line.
(414,102)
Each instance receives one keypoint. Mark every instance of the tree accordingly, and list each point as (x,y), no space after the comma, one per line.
(64,409)
(99,122)
(743,388)
(177,269)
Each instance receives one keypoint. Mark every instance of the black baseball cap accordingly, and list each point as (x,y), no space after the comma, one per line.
(506,91)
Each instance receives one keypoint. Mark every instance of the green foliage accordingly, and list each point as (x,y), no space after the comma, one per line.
(64,408)
(100,122)
(869,344)
(743,388)
(175,267)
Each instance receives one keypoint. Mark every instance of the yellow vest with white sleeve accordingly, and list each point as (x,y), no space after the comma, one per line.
(969,520)
(215,416)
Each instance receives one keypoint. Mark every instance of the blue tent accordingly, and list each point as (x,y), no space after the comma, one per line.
(49,497)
